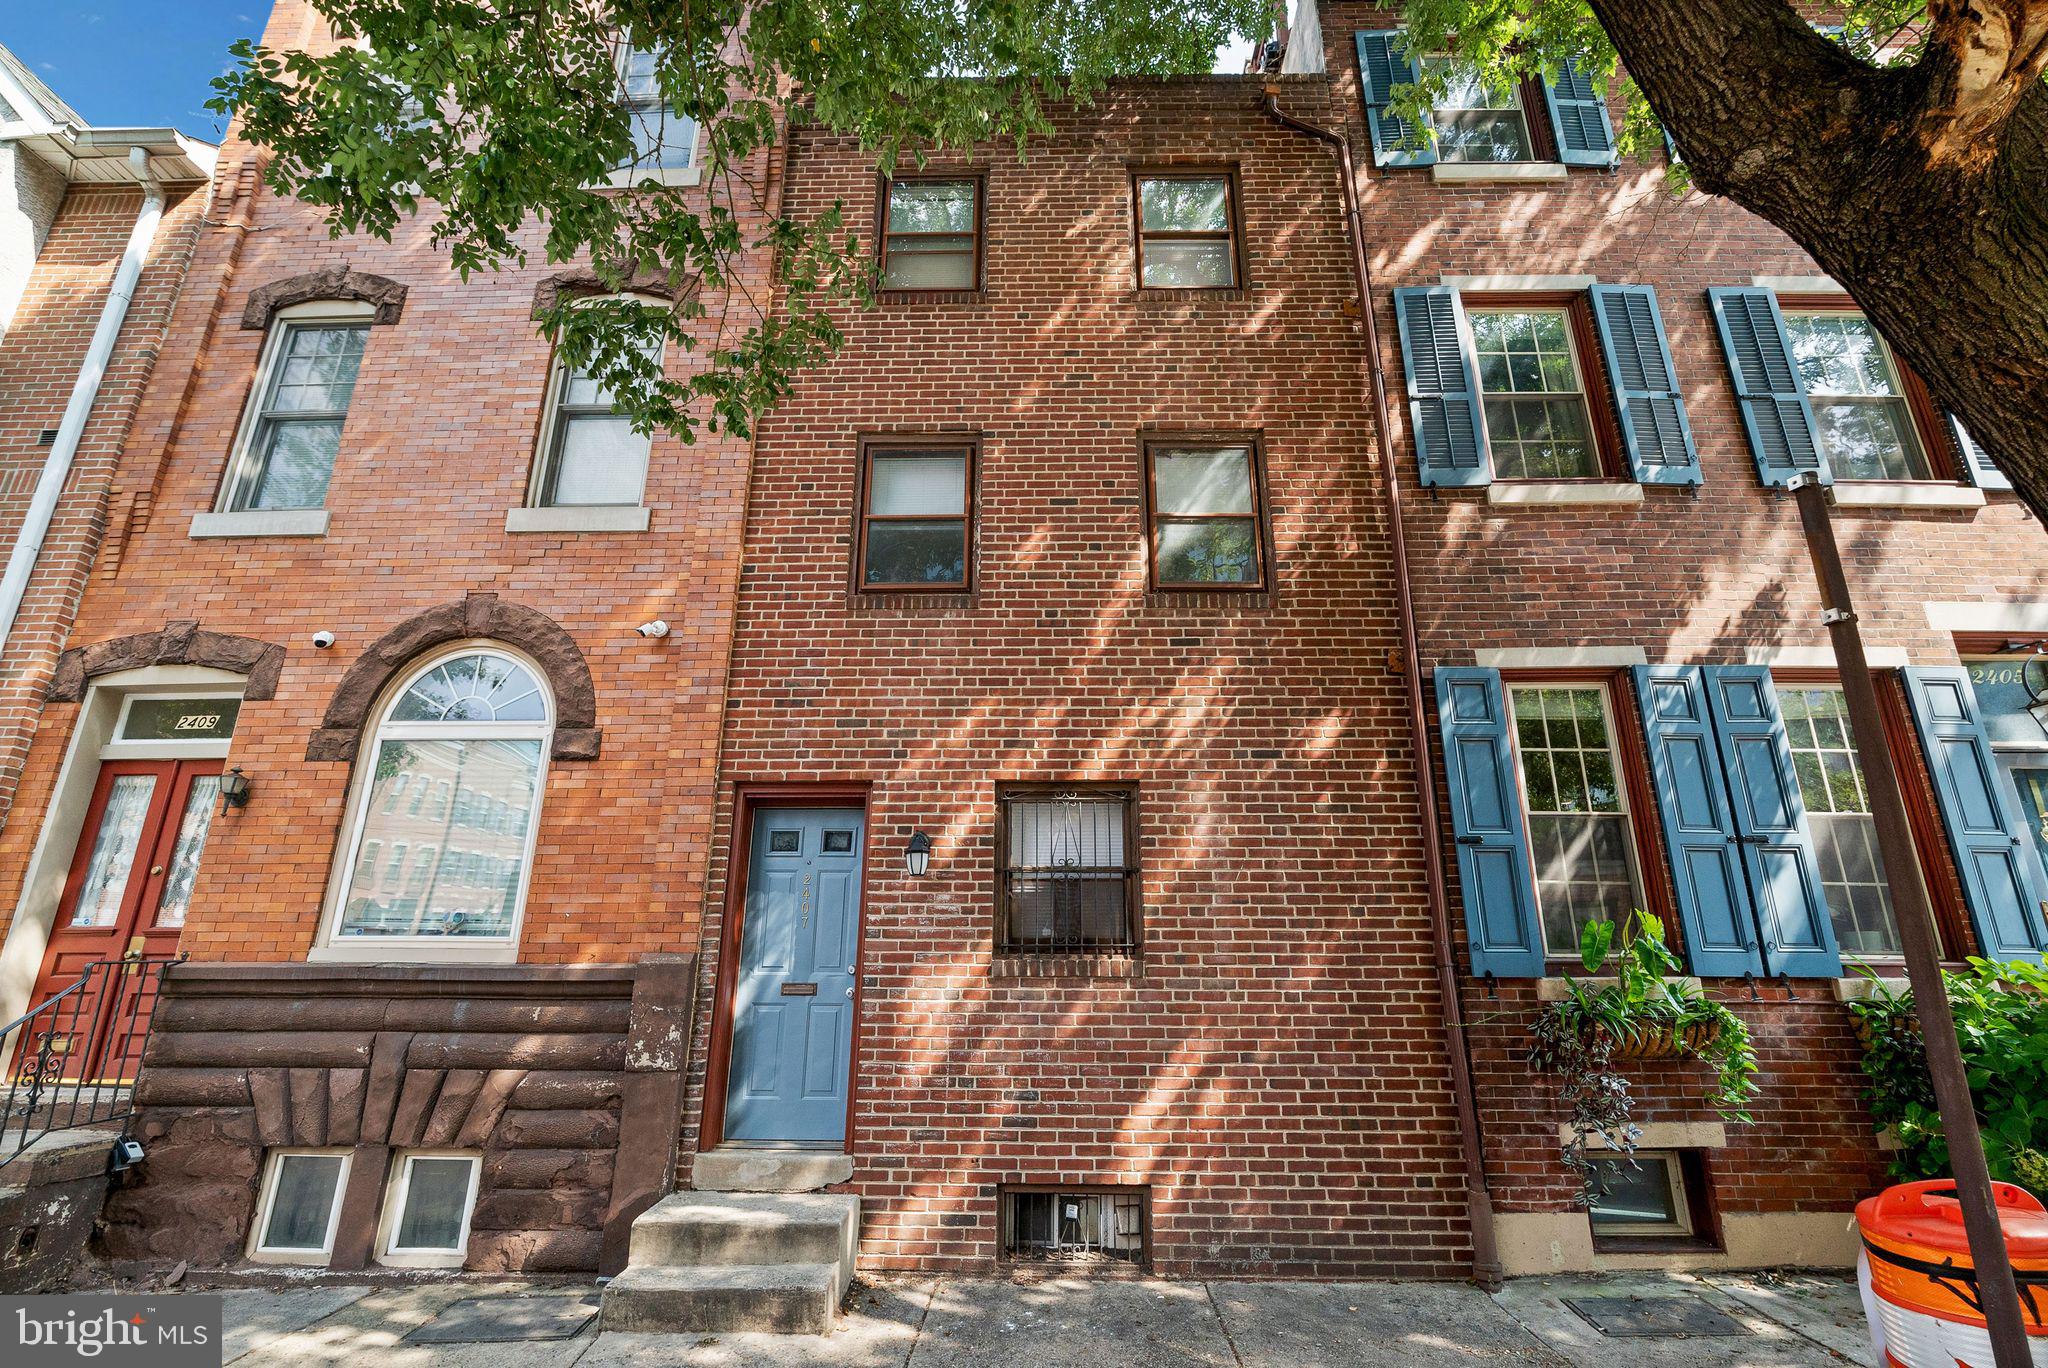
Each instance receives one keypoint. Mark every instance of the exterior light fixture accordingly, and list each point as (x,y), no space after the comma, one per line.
(2034,679)
(917,856)
(234,789)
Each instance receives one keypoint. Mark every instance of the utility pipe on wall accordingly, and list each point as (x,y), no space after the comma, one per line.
(42,508)
(1486,1266)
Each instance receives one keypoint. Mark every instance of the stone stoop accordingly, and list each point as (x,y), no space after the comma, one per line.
(50,1200)
(727,1262)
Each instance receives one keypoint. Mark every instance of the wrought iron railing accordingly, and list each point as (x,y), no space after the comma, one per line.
(72,1059)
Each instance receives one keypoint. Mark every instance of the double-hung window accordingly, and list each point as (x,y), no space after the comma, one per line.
(1861,416)
(293,431)
(931,234)
(1533,382)
(664,139)
(917,515)
(1838,813)
(1186,230)
(1581,838)
(1067,877)
(1473,121)
(1206,529)
(590,454)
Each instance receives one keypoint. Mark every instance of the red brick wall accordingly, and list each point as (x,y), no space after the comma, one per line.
(1276,1074)
(39,361)
(438,446)
(1689,578)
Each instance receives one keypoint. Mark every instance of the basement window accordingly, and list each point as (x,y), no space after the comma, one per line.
(1653,1197)
(298,1205)
(1075,1227)
(427,1210)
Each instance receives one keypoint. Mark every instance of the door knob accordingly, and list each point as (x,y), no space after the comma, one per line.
(156,871)
(849,990)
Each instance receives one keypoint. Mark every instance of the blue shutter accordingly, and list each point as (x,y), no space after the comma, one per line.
(1770,824)
(1699,830)
(1486,819)
(1978,467)
(1443,388)
(1578,113)
(1774,407)
(2001,872)
(1653,421)
(1382,67)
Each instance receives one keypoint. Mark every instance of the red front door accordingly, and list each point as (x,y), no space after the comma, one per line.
(129,889)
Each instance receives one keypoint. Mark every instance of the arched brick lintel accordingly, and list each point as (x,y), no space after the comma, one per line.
(482,616)
(336,282)
(586,283)
(179,643)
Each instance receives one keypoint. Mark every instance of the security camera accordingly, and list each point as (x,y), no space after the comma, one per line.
(653,631)
(322,640)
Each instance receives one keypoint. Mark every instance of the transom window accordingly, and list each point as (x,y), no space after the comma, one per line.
(663,138)
(296,429)
(1580,837)
(1537,420)
(917,515)
(590,455)
(466,739)
(1068,884)
(1184,232)
(1475,123)
(1838,814)
(931,235)
(1205,516)
(1859,405)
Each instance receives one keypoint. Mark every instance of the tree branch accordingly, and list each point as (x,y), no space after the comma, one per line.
(1982,58)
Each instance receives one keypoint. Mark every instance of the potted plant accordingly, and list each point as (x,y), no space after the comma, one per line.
(1646,1010)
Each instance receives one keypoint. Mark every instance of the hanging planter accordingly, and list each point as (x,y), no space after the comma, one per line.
(1646,1012)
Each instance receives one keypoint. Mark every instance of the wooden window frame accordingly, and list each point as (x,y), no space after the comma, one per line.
(1530,102)
(1005,1229)
(1632,763)
(1255,454)
(1595,385)
(1133,878)
(1694,1178)
(969,445)
(1946,463)
(1232,220)
(883,185)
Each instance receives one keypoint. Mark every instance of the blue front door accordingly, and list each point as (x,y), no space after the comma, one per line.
(792,1024)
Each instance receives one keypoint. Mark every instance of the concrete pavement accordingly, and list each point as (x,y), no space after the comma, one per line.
(1763,1321)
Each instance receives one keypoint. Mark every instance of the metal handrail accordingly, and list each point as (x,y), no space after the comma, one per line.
(95,1031)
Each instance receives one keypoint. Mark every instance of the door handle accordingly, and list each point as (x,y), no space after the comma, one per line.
(156,871)
(849,990)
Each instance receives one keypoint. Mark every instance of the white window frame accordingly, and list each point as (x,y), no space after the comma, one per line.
(1516,104)
(1615,756)
(399,1187)
(1571,347)
(1897,396)
(1780,687)
(239,469)
(1673,1163)
(199,747)
(273,1166)
(332,947)
(548,449)
(625,177)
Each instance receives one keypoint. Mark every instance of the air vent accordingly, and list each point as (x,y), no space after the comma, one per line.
(47,437)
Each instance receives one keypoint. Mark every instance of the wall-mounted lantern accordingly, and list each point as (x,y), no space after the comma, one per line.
(234,789)
(917,856)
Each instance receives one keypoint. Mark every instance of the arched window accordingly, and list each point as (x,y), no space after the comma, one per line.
(473,723)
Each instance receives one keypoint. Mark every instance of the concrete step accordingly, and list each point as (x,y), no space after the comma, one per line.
(766,1170)
(778,1299)
(686,1229)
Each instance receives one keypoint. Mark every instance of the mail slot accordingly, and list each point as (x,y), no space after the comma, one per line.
(799,990)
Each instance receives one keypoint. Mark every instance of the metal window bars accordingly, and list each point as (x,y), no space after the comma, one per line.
(1074,1227)
(73,1058)
(1067,879)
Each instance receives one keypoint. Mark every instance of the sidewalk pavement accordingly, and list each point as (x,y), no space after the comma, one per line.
(1764,1321)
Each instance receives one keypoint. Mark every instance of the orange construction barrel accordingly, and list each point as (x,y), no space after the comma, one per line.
(1920,1285)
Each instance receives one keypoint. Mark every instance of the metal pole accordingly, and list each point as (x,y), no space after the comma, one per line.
(1995,1287)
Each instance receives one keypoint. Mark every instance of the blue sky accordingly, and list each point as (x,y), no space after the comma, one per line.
(142,63)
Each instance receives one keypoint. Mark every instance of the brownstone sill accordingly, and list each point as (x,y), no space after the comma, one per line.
(1066,966)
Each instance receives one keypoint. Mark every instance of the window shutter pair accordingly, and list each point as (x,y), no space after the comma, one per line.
(1743,868)
(1444,404)
(1577,106)
(2000,868)
(1775,409)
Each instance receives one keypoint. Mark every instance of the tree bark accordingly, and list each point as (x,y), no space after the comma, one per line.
(1922,188)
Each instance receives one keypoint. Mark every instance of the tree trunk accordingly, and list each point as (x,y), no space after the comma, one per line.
(1922,188)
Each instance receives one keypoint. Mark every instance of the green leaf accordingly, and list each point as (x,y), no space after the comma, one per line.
(1594,942)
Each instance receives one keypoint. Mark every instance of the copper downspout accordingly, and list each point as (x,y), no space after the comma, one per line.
(1486,1268)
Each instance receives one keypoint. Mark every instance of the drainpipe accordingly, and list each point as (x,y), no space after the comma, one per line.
(1486,1267)
(42,508)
